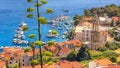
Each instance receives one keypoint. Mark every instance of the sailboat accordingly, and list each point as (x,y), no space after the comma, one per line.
(19,37)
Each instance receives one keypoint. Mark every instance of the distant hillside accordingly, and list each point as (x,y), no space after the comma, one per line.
(110,10)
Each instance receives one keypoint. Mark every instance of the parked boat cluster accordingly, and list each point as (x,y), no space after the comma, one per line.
(19,37)
(60,23)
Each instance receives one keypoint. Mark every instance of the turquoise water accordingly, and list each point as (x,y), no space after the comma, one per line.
(12,12)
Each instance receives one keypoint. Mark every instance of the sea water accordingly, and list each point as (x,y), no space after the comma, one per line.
(12,12)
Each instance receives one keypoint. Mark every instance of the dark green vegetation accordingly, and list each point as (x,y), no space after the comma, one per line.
(71,35)
(81,55)
(110,10)
(109,46)
(49,58)
(84,54)
(107,54)
(115,24)
(77,19)
(114,34)
(72,56)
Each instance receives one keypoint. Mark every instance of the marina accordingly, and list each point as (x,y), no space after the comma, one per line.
(19,37)
(10,22)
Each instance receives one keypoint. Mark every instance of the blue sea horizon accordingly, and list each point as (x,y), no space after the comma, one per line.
(13,12)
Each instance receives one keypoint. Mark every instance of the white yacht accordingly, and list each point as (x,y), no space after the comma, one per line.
(19,37)
(59,19)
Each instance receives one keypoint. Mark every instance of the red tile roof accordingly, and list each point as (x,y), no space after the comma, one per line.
(115,19)
(68,64)
(61,64)
(52,48)
(103,32)
(65,50)
(112,66)
(2,64)
(103,62)
(88,18)
(74,42)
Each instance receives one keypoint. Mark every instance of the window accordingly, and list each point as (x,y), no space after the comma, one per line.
(23,64)
(87,38)
(23,60)
(87,34)
(11,58)
(30,59)
(87,31)
(10,62)
(16,61)
(82,30)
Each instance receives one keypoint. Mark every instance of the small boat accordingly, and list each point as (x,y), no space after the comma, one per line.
(63,36)
(59,19)
(65,33)
(66,27)
(65,10)
(59,28)
(19,36)
(66,24)
(52,26)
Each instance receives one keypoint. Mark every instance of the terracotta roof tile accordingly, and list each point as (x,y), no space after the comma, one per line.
(52,48)
(112,66)
(74,42)
(65,50)
(115,19)
(2,64)
(103,62)
(103,32)
(88,18)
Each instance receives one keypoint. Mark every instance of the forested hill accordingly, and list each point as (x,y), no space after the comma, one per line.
(110,10)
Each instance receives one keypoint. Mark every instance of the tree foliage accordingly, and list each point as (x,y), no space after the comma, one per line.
(51,42)
(39,43)
(72,56)
(83,54)
(26,49)
(15,66)
(42,20)
(77,19)
(49,10)
(31,36)
(30,9)
(34,62)
(25,28)
(54,32)
(110,10)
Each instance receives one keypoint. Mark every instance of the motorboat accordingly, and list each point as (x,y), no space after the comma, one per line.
(19,37)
